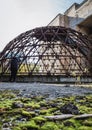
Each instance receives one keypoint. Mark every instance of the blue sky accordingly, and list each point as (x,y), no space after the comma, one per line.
(17,16)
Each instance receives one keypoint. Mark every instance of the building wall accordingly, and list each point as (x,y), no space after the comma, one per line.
(59,20)
(71,11)
(75,15)
(78,13)
(84,10)
(55,21)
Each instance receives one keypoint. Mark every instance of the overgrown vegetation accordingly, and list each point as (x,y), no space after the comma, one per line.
(28,113)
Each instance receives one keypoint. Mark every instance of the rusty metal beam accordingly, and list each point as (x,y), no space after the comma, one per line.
(54,49)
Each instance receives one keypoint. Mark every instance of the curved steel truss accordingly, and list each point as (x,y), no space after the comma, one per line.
(52,50)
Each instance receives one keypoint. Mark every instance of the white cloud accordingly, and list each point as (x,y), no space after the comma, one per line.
(17,16)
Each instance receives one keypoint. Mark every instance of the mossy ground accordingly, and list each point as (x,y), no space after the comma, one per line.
(29,112)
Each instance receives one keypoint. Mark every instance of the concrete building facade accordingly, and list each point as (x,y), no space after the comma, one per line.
(78,17)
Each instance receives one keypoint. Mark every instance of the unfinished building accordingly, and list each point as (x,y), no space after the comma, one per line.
(78,17)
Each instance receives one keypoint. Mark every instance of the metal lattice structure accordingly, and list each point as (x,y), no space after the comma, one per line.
(50,50)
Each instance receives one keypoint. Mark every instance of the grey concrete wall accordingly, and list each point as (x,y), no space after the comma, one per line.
(49,79)
(73,16)
(59,20)
(85,10)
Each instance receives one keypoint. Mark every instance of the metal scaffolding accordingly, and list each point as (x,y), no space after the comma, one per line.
(50,50)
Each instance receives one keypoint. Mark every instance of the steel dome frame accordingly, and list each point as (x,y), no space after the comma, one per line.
(50,50)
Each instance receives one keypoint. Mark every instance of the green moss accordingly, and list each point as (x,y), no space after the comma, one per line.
(72,124)
(44,111)
(84,109)
(69,128)
(8,94)
(84,128)
(25,113)
(6,104)
(43,103)
(14,112)
(29,125)
(25,100)
(17,128)
(34,120)
(33,105)
(48,111)
(60,124)
(87,123)
(51,110)
(39,119)
(0,126)
(39,98)
(66,99)
(49,126)
(89,98)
